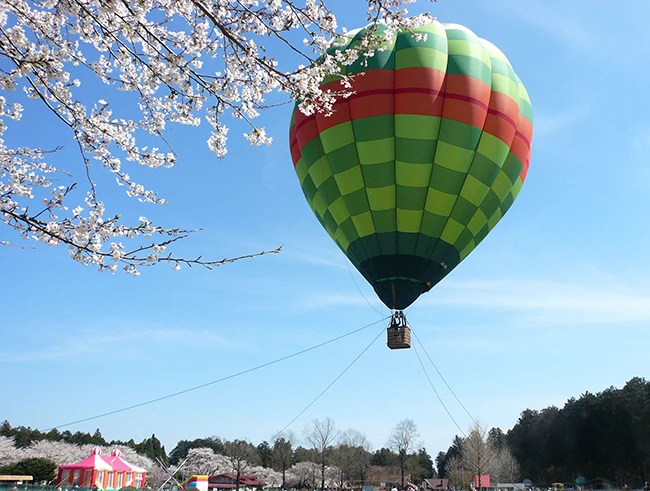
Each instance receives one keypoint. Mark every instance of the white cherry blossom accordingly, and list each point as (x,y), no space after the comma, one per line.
(182,62)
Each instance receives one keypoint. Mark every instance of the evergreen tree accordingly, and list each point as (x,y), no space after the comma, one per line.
(5,429)
(265,454)
(42,470)
(97,438)
(383,457)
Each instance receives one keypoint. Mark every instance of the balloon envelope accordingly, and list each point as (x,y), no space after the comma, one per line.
(411,172)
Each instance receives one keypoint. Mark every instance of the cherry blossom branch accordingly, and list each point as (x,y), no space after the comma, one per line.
(198,60)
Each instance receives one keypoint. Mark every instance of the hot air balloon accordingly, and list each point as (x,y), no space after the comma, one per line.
(412,171)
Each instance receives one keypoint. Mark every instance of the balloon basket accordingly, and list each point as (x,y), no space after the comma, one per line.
(399,332)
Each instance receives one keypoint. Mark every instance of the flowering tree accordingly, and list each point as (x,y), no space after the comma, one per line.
(199,460)
(302,475)
(272,478)
(157,477)
(59,452)
(9,454)
(174,61)
(62,453)
(66,453)
(204,461)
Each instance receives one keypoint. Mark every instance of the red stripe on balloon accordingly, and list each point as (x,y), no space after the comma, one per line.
(421,91)
(293,145)
(306,132)
(419,103)
(375,95)
(419,77)
(502,118)
(525,128)
(524,170)
(416,78)
(465,111)
(466,100)
(295,152)
(520,147)
(340,115)
(471,87)
(418,91)
(505,107)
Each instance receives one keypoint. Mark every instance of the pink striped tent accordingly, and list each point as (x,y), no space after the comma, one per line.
(110,473)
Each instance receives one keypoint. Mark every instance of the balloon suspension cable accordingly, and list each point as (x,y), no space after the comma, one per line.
(398,319)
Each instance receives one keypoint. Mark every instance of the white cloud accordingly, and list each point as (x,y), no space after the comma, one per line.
(320,256)
(545,303)
(546,124)
(327,300)
(528,302)
(88,343)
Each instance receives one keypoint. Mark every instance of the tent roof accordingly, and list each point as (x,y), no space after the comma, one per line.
(119,464)
(94,461)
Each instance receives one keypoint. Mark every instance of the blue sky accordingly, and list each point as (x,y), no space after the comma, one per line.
(555,302)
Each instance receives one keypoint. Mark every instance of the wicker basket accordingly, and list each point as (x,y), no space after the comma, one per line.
(399,337)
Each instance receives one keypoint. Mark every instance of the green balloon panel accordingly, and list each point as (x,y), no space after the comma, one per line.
(411,172)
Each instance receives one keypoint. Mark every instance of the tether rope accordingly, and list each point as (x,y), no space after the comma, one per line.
(435,391)
(443,379)
(197,387)
(330,385)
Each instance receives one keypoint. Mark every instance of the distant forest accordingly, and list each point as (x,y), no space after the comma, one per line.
(604,435)
(597,436)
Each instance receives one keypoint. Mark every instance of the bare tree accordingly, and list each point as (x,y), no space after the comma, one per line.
(477,455)
(402,441)
(342,457)
(283,453)
(455,472)
(347,456)
(321,436)
(241,454)
(506,468)
(360,454)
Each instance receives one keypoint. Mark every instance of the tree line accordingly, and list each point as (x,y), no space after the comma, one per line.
(596,436)
(24,436)
(604,435)
(330,456)
(348,453)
